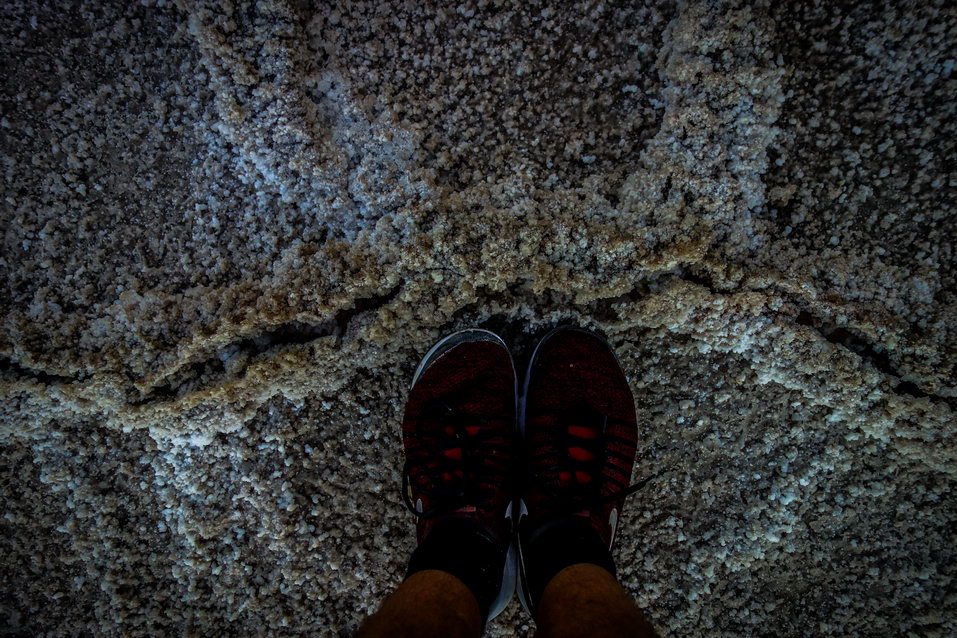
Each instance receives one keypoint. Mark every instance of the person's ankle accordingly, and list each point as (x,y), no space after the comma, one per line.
(555,544)
(463,548)
(586,600)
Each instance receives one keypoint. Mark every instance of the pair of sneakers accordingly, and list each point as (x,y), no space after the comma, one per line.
(510,487)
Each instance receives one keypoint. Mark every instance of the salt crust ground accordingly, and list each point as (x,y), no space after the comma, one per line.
(230,231)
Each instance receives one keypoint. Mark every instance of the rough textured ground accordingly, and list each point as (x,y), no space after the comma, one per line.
(229,231)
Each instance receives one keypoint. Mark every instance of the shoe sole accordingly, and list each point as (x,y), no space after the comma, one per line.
(510,571)
(520,585)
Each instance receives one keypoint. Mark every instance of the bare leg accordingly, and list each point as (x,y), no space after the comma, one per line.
(586,600)
(429,603)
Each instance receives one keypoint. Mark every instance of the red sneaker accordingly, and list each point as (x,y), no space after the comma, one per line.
(459,433)
(580,440)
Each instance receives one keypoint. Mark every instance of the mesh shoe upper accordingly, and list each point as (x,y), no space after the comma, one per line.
(459,437)
(580,433)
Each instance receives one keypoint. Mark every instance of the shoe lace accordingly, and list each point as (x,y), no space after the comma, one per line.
(456,459)
(578,475)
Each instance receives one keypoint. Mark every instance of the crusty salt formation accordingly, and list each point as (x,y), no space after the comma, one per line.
(230,231)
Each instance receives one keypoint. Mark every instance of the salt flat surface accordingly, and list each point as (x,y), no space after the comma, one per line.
(230,231)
